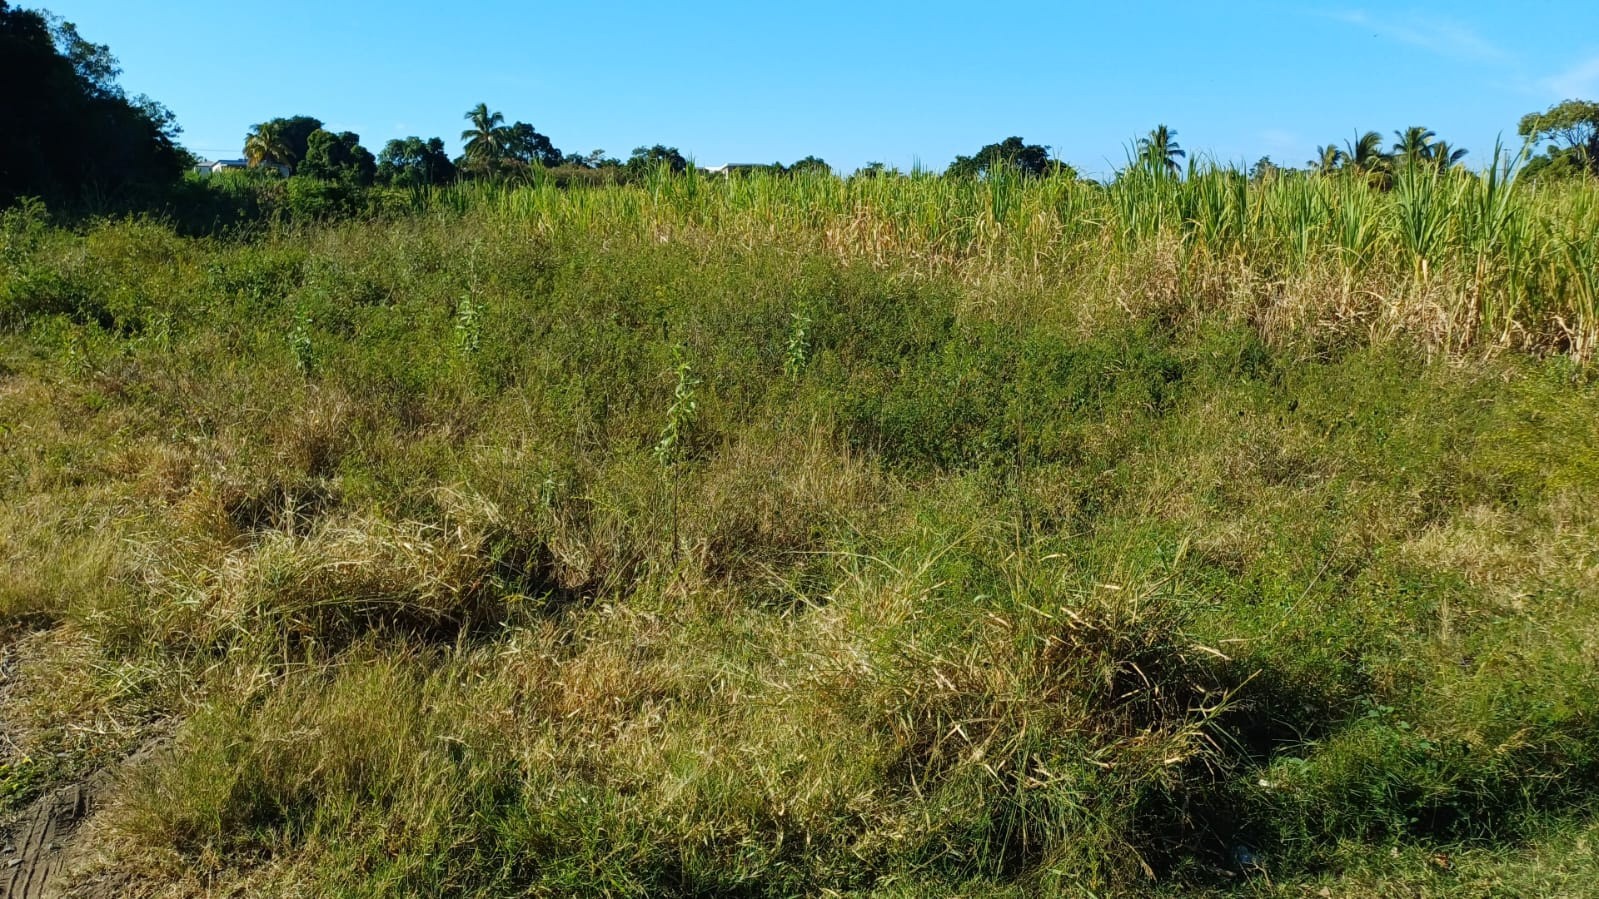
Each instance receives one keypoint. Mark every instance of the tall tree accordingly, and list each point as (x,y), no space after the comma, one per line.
(1366,157)
(1160,151)
(1031,159)
(594,159)
(645,159)
(1571,131)
(413,162)
(1445,157)
(812,165)
(1413,146)
(68,131)
(486,139)
(338,157)
(524,144)
(264,145)
(1327,160)
(1264,169)
(280,141)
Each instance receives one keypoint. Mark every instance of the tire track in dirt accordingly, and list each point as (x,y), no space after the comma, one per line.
(36,858)
(44,842)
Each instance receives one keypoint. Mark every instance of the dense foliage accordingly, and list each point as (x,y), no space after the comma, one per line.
(1571,131)
(1032,159)
(338,157)
(68,132)
(413,162)
(281,141)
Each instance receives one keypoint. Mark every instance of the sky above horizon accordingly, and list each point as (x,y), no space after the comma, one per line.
(900,83)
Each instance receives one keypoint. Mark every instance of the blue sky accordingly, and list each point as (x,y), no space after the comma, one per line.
(855,82)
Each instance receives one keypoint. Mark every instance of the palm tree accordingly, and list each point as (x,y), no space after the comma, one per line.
(1160,151)
(486,139)
(1414,144)
(1327,160)
(1366,156)
(266,144)
(1445,156)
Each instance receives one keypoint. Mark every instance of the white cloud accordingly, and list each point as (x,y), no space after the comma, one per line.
(1581,80)
(1440,35)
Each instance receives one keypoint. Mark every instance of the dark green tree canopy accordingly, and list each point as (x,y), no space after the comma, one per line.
(874,170)
(645,159)
(812,164)
(67,129)
(1031,159)
(280,141)
(338,157)
(1264,169)
(594,159)
(524,144)
(413,162)
(494,148)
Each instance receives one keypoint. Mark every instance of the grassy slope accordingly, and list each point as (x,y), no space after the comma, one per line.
(1059,585)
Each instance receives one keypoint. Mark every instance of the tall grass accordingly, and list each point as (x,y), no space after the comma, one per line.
(806,536)
(1467,238)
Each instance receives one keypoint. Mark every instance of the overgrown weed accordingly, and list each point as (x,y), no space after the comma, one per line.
(1012,550)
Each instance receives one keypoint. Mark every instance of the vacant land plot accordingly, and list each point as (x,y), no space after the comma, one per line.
(803,536)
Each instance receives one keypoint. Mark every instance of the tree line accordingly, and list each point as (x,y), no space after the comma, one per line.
(1565,138)
(493,149)
(69,133)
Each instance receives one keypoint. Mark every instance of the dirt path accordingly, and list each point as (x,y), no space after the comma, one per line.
(42,857)
(44,841)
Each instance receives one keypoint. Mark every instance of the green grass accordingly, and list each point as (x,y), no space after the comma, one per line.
(1012,538)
